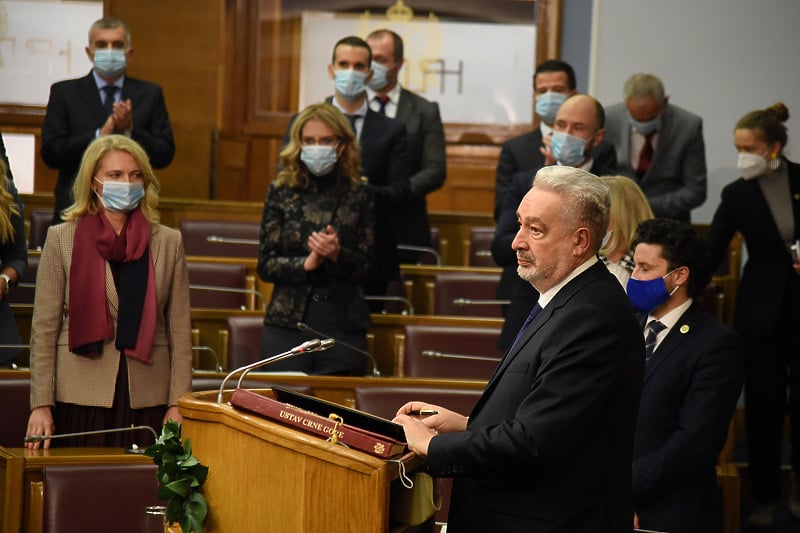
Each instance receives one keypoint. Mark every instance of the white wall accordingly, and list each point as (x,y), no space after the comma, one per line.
(718,58)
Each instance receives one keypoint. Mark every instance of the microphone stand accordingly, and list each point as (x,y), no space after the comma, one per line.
(308,346)
(302,326)
(133,449)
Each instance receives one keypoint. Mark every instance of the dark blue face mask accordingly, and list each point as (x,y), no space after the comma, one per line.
(646,295)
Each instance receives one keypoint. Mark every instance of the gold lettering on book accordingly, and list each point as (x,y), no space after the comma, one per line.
(379,448)
(312,424)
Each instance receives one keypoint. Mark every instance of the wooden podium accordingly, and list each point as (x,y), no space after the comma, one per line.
(264,476)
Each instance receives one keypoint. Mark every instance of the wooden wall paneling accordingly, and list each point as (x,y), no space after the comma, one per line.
(179,45)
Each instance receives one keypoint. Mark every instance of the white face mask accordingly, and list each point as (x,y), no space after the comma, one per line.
(751,165)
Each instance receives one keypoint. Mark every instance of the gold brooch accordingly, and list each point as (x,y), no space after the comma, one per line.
(684,329)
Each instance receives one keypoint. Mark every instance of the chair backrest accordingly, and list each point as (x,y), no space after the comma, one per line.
(214,383)
(244,340)
(15,397)
(40,220)
(26,291)
(217,277)
(80,498)
(478,249)
(220,238)
(466,294)
(447,351)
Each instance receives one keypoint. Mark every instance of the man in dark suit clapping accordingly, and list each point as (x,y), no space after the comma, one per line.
(425,136)
(104,102)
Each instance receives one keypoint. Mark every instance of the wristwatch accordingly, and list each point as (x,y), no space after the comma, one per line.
(8,282)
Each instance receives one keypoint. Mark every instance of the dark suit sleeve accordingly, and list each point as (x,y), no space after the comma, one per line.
(723,227)
(506,167)
(154,131)
(431,175)
(507,224)
(395,187)
(702,426)
(62,144)
(693,171)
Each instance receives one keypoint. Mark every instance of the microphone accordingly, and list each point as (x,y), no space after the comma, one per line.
(302,326)
(442,355)
(133,449)
(314,345)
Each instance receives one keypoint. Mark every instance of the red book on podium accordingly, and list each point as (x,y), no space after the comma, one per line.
(341,424)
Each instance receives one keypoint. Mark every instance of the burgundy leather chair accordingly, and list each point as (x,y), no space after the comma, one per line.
(480,247)
(40,221)
(244,340)
(466,294)
(220,238)
(98,497)
(217,277)
(447,352)
(15,397)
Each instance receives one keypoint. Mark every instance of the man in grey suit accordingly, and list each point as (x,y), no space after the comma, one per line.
(104,102)
(660,146)
(425,136)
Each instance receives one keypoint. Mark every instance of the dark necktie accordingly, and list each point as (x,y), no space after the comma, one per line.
(534,312)
(382,101)
(654,327)
(108,103)
(352,119)
(646,155)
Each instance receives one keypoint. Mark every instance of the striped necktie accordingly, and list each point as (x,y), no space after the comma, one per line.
(654,327)
(531,316)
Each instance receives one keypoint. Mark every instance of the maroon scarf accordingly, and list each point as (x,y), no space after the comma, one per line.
(90,320)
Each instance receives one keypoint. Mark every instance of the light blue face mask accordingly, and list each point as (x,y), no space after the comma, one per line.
(109,62)
(379,80)
(547,105)
(645,128)
(349,83)
(319,159)
(121,196)
(567,149)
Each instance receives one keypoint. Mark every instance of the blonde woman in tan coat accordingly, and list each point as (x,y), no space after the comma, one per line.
(110,342)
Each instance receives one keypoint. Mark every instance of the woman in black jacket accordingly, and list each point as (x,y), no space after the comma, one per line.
(316,245)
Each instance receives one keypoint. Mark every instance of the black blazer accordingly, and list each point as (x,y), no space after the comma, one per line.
(522,153)
(521,293)
(13,254)
(769,284)
(427,167)
(75,112)
(691,385)
(549,444)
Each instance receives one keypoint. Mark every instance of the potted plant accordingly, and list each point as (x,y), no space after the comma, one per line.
(180,475)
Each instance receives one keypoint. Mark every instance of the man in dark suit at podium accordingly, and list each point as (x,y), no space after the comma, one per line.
(548,446)
(104,102)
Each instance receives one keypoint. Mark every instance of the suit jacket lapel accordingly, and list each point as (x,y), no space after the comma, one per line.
(91,99)
(673,340)
(664,137)
(404,106)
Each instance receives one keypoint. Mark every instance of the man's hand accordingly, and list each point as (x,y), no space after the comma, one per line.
(123,116)
(420,429)
(547,150)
